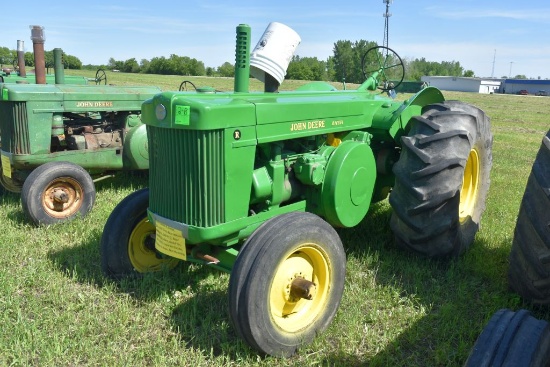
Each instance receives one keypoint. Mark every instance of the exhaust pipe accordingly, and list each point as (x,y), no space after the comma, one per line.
(21,58)
(38,38)
(58,66)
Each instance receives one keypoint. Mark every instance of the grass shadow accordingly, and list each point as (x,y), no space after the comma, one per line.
(82,263)
(457,295)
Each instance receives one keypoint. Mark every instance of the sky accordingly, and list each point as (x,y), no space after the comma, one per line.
(494,38)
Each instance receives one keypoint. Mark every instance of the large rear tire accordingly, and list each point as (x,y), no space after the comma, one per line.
(529,271)
(442,179)
(512,339)
(287,283)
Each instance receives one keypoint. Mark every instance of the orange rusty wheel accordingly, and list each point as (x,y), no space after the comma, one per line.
(57,191)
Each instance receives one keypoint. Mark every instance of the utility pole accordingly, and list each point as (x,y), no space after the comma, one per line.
(386,15)
(510,73)
(493,70)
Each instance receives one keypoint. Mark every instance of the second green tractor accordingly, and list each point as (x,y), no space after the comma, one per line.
(253,184)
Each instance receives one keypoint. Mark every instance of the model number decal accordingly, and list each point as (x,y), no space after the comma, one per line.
(88,104)
(309,125)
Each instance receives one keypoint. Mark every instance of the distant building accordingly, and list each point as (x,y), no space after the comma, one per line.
(463,84)
(532,86)
(487,85)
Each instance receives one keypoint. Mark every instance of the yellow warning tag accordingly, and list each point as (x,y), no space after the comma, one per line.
(170,241)
(6,166)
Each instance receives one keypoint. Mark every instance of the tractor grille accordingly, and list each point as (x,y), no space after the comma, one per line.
(186,175)
(14,127)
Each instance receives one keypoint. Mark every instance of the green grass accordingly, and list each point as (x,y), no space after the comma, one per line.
(57,309)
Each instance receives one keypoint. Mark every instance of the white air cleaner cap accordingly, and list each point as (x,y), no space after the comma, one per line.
(273,52)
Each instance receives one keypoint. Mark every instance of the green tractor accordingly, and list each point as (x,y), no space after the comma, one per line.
(253,184)
(58,139)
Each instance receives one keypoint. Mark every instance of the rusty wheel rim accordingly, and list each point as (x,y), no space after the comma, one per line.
(62,197)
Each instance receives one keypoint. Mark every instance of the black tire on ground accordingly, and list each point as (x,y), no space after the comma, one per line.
(9,184)
(56,192)
(442,179)
(512,339)
(529,271)
(287,283)
(127,243)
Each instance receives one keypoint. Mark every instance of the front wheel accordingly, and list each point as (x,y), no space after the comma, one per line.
(442,179)
(287,283)
(56,192)
(128,240)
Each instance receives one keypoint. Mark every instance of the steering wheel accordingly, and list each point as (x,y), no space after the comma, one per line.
(387,63)
(100,76)
(183,85)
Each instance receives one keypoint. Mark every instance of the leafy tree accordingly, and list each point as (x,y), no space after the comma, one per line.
(226,69)
(306,68)
(130,66)
(115,65)
(29,59)
(347,59)
(469,74)
(144,66)
(6,56)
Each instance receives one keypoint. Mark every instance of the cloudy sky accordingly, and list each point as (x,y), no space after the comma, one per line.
(491,37)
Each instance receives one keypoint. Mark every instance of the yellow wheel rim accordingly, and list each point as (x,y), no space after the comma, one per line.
(470,184)
(291,313)
(141,249)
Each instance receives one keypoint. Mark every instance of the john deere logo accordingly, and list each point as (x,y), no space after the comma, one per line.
(237,134)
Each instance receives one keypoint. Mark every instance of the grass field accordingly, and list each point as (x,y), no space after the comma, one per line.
(57,308)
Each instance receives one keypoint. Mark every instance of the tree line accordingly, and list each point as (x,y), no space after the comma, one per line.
(9,58)
(343,65)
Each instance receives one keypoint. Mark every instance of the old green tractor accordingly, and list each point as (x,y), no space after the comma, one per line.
(58,139)
(253,183)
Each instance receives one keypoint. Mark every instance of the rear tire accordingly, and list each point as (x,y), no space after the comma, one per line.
(529,272)
(512,339)
(442,179)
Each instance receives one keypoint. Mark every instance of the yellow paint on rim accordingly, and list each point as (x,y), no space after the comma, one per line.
(470,184)
(141,251)
(312,263)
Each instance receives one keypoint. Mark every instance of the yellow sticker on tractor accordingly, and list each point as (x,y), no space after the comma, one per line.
(6,166)
(170,241)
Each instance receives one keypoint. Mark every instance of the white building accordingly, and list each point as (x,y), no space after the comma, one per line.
(463,84)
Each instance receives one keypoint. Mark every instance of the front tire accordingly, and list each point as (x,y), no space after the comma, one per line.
(512,339)
(529,272)
(127,243)
(56,192)
(287,283)
(442,179)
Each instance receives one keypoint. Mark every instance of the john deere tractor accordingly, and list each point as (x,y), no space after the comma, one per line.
(58,139)
(253,183)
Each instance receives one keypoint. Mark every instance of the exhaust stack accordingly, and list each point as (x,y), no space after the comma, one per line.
(58,66)
(21,58)
(38,38)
